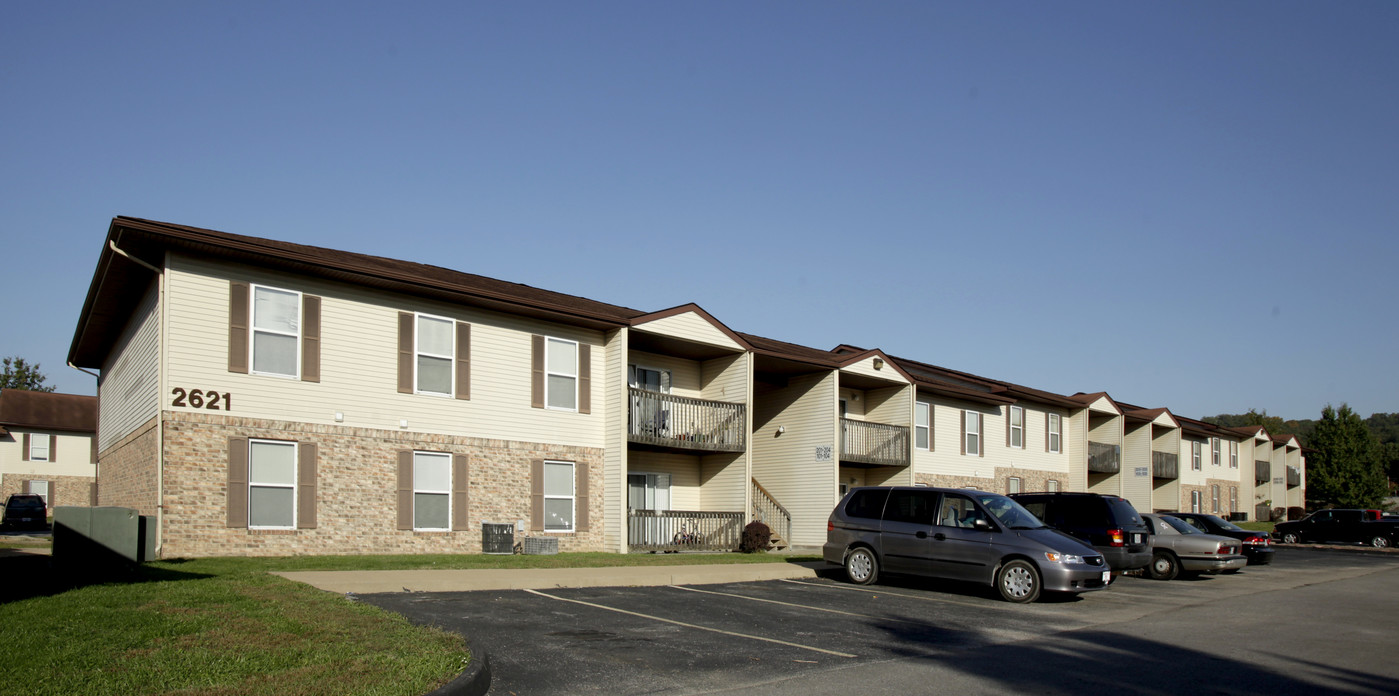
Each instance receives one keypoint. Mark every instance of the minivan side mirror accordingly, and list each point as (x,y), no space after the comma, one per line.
(981,525)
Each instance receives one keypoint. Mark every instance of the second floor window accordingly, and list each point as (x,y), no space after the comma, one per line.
(1195,455)
(1214,451)
(39,448)
(276,331)
(972,439)
(648,379)
(561,374)
(922,425)
(1016,437)
(434,353)
(1055,433)
(1233,455)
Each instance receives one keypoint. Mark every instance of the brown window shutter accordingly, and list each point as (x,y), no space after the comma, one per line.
(24,449)
(932,421)
(580,497)
(1047,418)
(24,487)
(238,327)
(536,495)
(306,474)
(53,448)
(405,489)
(237,482)
(964,432)
(463,360)
(461,493)
(1009,417)
(536,399)
(52,487)
(310,338)
(405,354)
(981,435)
(585,378)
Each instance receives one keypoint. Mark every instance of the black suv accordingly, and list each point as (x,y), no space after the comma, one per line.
(26,510)
(1107,522)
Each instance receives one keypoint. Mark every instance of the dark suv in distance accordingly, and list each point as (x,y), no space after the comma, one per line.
(23,510)
(1108,523)
(954,534)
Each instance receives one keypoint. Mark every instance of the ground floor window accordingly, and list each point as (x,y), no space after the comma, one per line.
(1194,501)
(1052,486)
(1214,498)
(271,484)
(648,491)
(1013,485)
(558,496)
(432,491)
(41,489)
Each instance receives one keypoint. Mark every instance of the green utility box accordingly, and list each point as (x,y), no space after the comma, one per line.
(100,537)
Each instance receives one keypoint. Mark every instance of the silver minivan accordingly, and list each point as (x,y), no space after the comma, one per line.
(958,535)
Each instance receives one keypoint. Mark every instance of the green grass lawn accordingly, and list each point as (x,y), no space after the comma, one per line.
(225,626)
(1257,526)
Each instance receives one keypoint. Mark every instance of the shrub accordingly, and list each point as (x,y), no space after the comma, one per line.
(756,537)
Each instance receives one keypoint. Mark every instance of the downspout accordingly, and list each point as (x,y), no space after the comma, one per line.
(160,379)
(96,469)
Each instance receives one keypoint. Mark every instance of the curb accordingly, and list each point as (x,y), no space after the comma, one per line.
(475,680)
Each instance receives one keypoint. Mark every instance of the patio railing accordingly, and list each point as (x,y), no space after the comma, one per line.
(873,443)
(668,420)
(681,530)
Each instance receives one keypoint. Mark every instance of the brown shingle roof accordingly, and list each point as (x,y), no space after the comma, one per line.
(47,411)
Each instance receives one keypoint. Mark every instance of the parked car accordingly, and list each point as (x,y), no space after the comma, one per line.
(1257,546)
(954,534)
(1178,549)
(1106,522)
(26,511)
(1340,525)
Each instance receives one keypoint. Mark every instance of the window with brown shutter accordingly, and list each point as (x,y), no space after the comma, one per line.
(580,497)
(536,495)
(310,338)
(238,327)
(536,399)
(406,326)
(463,360)
(306,472)
(461,493)
(585,378)
(237,493)
(405,489)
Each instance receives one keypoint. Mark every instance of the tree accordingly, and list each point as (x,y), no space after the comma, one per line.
(19,374)
(1345,469)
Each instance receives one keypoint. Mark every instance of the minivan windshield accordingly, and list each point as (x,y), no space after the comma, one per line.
(1009,512)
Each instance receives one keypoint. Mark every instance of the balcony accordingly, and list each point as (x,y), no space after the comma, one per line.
(1294,476)
(679,530)
(880,444)
(681,422)
(1104,458)
(1261,472)
(1165,465)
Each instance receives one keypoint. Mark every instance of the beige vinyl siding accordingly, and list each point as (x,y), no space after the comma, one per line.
(1075,447)
(1165,493)
(725,378)
(946,459)
(1277,492)
(684,470)
(1108,429)
(1136,454)
(70,454)
(1188,475)
(1032,456)
(852,476)
(359,362)
(129,386)
(684,374)
(786,464)
(724,482)
(866,367)
(892,405)
(726,475)
(854,403)
(614,457)
(691,327)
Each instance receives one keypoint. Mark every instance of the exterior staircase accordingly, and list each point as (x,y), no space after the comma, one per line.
(767,510)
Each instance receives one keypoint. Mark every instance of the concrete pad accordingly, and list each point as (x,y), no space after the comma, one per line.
(373,581)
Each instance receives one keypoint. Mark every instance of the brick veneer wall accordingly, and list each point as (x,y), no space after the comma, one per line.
(72,490)
(945,481)
(126,471)
(1185,490)
(1031,480)
(356,490)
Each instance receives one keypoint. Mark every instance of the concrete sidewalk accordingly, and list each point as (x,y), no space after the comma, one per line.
(372,581)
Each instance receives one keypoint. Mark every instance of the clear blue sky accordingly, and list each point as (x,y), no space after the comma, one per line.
(1186,204)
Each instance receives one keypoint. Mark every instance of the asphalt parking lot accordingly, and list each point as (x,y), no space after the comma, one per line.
(1316,621)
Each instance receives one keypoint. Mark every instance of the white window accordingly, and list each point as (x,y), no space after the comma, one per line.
(276,331)
(435,354)
(558,496)
(1233,499)
(561,375)
(271,484)
(1013,485)
(38,448)
(432,491)
(1194,501)
(922,424)
(648,491)
(1214,451)
(1233,455)
(41,489)
(973,433)
(1052,486)
(1054,433)
(1214,498)
(1017,427)
(1195,455)
(649,380)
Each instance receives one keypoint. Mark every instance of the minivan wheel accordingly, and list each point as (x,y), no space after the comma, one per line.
(1018,581)
(861,566)
(1163,566)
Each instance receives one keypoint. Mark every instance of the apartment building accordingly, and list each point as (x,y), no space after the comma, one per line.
(266,398)
(48,446)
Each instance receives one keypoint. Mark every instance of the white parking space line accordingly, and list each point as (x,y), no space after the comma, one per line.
(694,626)
(798,606)
(941,599)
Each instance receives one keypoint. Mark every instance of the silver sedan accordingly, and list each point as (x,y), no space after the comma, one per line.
(1177,547)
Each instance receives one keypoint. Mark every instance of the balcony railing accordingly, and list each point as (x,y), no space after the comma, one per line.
(1262,471)
(873,443)
(1165,465)
(1294,476)
(1104,458)
(679,530)
(767,510)
(680,421)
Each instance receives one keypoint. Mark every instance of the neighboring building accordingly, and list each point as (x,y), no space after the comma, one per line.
(267,398)
(47,446)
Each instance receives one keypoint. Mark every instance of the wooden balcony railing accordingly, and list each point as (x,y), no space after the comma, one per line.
(1104,458)
(767,510)
(1165,465)
(680,530)
(1294,476)
(873,443)
(667,420)
(1261,471)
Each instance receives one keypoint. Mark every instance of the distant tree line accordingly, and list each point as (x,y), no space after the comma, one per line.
(1351,462)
